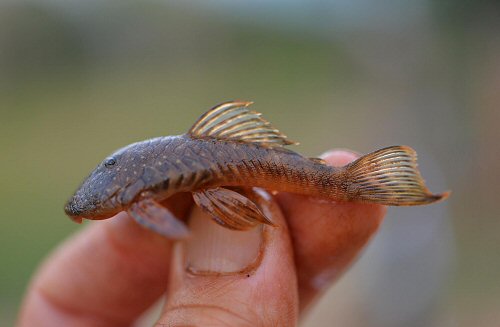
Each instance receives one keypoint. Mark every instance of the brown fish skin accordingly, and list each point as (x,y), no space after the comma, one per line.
(172,164)
(231,146)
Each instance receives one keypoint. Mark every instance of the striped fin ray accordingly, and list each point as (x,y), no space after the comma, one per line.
(234,121)
(230,209)
(389,176)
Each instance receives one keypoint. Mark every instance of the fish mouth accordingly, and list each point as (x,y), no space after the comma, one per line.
(76,219)
(79,218)
(75,212)
(77,209)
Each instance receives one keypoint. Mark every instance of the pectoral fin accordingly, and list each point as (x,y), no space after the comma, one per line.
(159,219)
(230,209)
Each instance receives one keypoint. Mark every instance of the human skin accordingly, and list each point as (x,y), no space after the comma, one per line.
(112,271)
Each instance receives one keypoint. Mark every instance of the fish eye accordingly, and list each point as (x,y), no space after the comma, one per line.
(108,163)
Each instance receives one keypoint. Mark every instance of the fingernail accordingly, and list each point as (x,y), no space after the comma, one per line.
(340,157)
(213,249)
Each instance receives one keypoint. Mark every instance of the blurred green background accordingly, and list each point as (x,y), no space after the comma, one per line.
(79,79)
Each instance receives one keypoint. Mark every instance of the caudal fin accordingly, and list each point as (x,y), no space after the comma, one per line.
(390,177)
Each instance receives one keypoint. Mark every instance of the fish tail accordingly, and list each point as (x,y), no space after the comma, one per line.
(388,176)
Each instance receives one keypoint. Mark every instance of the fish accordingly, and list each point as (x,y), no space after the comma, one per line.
(228,153)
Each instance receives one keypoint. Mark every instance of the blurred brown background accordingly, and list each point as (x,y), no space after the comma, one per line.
(79,79)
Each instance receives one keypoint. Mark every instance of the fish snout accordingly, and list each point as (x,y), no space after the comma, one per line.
(79,207)
(74,211)
(85,207)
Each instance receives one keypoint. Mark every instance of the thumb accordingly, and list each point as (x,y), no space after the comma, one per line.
(222,277)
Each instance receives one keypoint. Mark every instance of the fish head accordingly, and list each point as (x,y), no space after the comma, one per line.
(101,194)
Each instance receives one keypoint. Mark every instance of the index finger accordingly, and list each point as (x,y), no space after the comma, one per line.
(107,275)
(327,236)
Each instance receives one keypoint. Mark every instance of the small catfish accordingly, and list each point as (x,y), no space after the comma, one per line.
(227,152)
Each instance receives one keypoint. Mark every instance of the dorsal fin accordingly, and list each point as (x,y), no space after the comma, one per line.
(233,120)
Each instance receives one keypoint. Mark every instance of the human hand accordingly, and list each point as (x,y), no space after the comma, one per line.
(111,272)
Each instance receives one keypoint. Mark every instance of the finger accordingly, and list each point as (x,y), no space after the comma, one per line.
(233,278)
(327,236)
(107,275)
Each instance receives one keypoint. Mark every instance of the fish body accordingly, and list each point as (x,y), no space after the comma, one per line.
(183,164)
(229,150)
